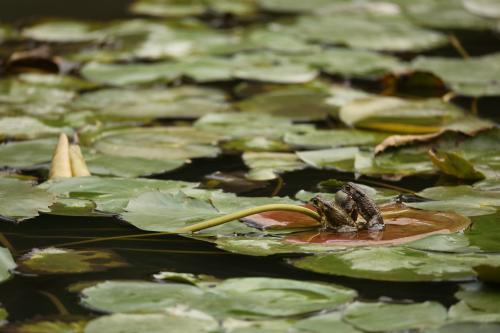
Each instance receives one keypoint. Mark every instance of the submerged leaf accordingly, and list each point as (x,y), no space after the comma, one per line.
(65,261)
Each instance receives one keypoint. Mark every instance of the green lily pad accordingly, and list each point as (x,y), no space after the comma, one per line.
(484,233)
(398,264)
(475,76)
(197,322)
(486,8)
(468,327)
(478,303)
(285,73)
(454,165)
(267,165)
(22,128)
(27,153)
(315,139)
(173,8)
(238,297)
(232,325)
(158,143)
(127,74)
(464,199)
(7,264)
(110,195)
(249,125)
(182,102)
(374,32)
(63,31)
(455,243)
(452,14)
(342,158)
(286,6)
(66,261)
(378,317)
(351,63)
(398,115)
(297,103)
(20,200)
(324,323)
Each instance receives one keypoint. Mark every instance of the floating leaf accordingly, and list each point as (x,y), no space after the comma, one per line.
(475,76)
(351,63)
(464,199)
(468,327)
(157,143)
(324,323)
(342,159)
(152,323)
(21,201)
(182,102)
(315,139)
(232,325)
(27,153)
(172,8)
(398,264)
(485,233)
(63,31)
(7,264)
(22,128)
(478,303)
(239,297)
(449,14)
(66,261)
(398,115)
(297,103)
(266,166)
(110,195)
(486,8)
(378,317)
(374,32)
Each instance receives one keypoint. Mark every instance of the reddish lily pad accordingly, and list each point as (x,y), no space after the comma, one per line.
(403,225)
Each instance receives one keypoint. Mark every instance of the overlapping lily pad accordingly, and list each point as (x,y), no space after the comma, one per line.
(478,303)
(20,200)
(66,261)
(267,165)
(399,264)
(238,297)
(172,8)
(377,317)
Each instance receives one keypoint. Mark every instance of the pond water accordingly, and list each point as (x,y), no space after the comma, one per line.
(31,296)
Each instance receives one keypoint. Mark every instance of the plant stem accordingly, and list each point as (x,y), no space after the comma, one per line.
(210,223)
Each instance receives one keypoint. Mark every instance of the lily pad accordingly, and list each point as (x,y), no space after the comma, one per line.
(153,323)
(475,76)
(398,115)
(486,8)
(238,297)
(452,14)
(342,158)
(158,143)
(21,201)
(297,103)
(315,139)
(7,264)
(378,317)
(485,233)
(60,324)
(351,63)
(26,154)
(66,261)
(374,32)
(63,31)
(267,165)
(464,199)
(398,264)
(324,323)
(22,128)
(478,303)
(110,195)
(182,102)
(173,8)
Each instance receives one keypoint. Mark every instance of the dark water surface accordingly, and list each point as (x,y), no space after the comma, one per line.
(27,296)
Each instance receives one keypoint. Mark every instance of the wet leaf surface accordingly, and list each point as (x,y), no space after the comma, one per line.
(7,264)
(66,261)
